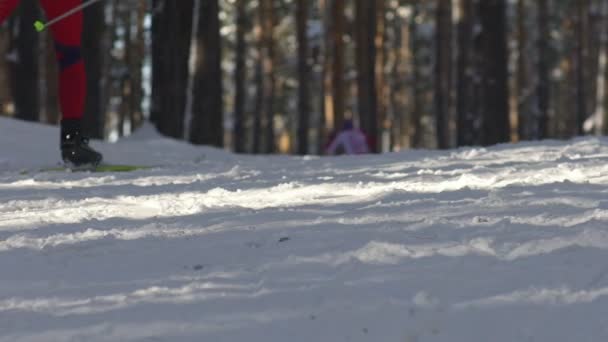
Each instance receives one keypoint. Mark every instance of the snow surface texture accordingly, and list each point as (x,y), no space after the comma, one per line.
(508,243)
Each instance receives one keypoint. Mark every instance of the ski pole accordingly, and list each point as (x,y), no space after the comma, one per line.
(41,26)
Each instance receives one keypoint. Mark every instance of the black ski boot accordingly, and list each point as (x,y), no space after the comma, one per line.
(75,149)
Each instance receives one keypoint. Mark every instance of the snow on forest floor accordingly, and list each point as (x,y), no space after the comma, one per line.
(508,243)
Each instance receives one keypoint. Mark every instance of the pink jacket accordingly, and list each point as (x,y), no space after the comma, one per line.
(353,141)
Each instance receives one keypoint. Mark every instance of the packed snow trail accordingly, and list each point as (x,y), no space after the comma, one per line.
(508,243)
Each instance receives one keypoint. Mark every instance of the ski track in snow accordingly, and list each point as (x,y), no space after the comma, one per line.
(508,243)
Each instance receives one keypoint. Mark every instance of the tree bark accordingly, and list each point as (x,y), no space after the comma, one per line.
(158,58)
(495,105)
(464,88)
(580,65)
(602,91)
(207,120)
(268,81)
(337,70)
(138,48)
(333,85)
(382,119)
(543,87)
(415,121)
(240,76)
(443,71)
(402,99)
(95,55)
(26,94)
(257,111)
(522,95)
(6,101)
(365,33)
(172,40)
(303,76)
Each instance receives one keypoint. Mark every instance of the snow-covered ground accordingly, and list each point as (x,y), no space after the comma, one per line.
(508,243)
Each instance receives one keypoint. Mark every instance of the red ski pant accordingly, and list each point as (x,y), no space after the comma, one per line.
(67,36)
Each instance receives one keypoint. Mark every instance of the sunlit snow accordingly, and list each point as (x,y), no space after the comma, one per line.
(502,244)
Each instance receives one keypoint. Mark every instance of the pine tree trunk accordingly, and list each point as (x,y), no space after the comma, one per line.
(337,70)
(543,69)
(415,121)
(26,94)
(207,120)
(138,51)
(258,127)
(523,115)
(443,71)
(6,101)
(268,76)
(172,51)
(158,58)
(366,64)
(125,91)
(240,76)
(580,65)
(303,76)
(464,88)
(602,94)
(495,105)
(257,110)
(324,93)
(402,99)
(382,120)
(95,52)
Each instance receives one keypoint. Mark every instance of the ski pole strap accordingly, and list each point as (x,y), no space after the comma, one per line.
(41,26)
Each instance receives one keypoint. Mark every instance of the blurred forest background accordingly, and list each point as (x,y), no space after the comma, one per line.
(278,76)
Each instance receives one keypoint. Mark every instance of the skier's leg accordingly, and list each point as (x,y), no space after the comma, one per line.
(72,81)
(67,36)
(6,8)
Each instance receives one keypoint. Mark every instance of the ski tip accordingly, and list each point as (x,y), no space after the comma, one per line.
(39,26)
(119,168)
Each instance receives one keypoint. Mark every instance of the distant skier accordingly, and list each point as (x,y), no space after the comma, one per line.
(75,149)
(350,140)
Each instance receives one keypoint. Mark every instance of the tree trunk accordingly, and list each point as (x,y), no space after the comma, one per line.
(337,70)
(522,95)
(366,63)
(580,65)
(322,55)
(464,88)
(258,127)
(207,121)
(382,120)
(95,53)
(334,64)
(267,17)
(495,105)
(443,71)
(158,58)
(240,77)
(122,16)
(543,86)
(415,121)
(257,110)
(172,39)
(602,94)
(26,94)
(6,101)
(138,51)
(303,76)
(402,98)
